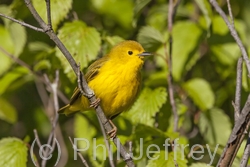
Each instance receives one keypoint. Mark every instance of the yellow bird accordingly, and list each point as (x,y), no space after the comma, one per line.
(115,79)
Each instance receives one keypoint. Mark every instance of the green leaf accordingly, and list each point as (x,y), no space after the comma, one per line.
(91,139)
(19,9)
(10,77)
(140,130)
(84,130)
(146,106)
(7,111)
(18,36)
(186,37)
(13,152)
(242,30)
(181,111)
(158,78)
(226,53)
(200,92)
(59,10)
(83,43)
(115,10)
(139,5)
(8,12)
(8,46)
(38,47)
(164,158)
(42,65)
(17,32)
(150,38)
(205,8)
(215,126)
(157,17)
(219,26)
(113,40)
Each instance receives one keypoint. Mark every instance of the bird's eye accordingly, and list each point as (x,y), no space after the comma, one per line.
(130,52)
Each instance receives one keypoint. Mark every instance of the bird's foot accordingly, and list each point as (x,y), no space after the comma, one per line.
(112,133)
(95,103)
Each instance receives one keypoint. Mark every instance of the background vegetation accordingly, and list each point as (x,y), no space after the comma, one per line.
(204,74)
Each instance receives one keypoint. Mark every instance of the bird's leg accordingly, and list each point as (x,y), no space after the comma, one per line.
(95,103)
(112,133)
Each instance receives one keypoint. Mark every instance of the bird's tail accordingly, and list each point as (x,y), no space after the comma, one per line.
(67,110)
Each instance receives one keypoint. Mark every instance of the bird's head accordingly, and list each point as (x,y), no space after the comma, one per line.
(128,52)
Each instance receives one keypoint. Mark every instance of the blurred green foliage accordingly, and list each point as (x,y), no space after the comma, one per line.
(204,71)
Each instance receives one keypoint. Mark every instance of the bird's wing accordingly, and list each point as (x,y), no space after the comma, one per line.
(94,68)
(92,71)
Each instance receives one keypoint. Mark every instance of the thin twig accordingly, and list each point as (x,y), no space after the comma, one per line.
(22,23)
(130,147)
(246,154)
(37,138)
(233,33)
(53,88)
(78,153)
(49,31)
(36,16)
(236,137)
(63,148)
(37,75)
(111,161)
(230,12)
(173,145)
(17,60)
(48,13)
(171,14)
(242,124)
(238,90)
(41,93)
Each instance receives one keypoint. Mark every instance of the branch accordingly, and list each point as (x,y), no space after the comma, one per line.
(246,154)
(22,23)
(171,14)
(37,138)
(230,12)
(44,97)
(236,137)
(55,130)
(233,33)
(37,75)
(49,31)
(111,161)
(48,13)
(53,89)
(242,122)
(237,102)
(15,59)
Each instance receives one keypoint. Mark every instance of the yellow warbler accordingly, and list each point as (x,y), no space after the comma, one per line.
(115,79)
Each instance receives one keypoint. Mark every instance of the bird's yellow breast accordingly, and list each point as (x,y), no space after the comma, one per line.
(117,87)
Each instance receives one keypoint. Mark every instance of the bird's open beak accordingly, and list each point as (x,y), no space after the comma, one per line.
(145,54)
